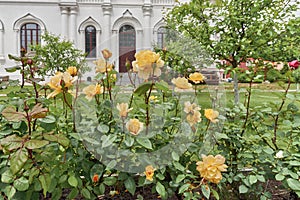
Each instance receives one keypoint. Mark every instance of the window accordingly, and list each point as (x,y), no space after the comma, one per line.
(90,41)
(161,35)
(30,35)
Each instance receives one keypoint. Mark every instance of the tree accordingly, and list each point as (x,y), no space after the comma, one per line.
(234,30)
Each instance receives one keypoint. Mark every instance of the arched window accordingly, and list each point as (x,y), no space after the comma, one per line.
(90,41)
(30,35)
(127,40)
(161,35)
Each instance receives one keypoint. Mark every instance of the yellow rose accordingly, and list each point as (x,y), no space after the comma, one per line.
(60,82)
(196,77)
(91,90)
(149,172)
(102,66)
(212,115)
(210,168)
(134,126)
(106,54)
(147,64)
(123,109)
(190,108)
(193,118)
(181,83)
(72,71)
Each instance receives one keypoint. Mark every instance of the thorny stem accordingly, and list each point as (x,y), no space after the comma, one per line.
(278,112)
(107,80)
(147,97)
(248,106)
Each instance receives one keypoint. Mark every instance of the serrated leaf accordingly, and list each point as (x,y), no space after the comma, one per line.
(11,142)
(73,194)
(293,184)
(21,184)
(160,189)
(215,193)
(38,111)
(183,188)
(101,188)
(11,114)
(179,178)
(7,176)
(73,181)
(175,156)
(86,193)
(205,191)
(36,144)
(128,141)
(108,140)
(49,119)
(130,185)
(243,189)
(18,159)
(59,138)
(252,179)
(45,180)
(145,142)
(279,177)
(10,191)
(162,86)
(178,166)
(143,88)
(103,128)
(109,181)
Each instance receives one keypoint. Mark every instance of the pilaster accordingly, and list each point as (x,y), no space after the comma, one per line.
(107,9)
(147,11)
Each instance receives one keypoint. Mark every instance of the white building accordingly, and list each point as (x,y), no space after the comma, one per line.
(123,26)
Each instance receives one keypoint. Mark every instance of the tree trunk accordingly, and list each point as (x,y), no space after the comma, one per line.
(236,89)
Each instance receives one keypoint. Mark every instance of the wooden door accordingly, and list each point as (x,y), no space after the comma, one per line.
(127,47)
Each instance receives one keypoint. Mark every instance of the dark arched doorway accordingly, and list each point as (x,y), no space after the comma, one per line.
(126,46)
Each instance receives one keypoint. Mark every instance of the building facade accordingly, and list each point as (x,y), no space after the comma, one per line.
(124,27)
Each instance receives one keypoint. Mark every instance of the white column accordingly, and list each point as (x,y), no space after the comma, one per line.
(147,8)
(98,42)
(1,44)
(139,38)
(115,48)
(64,21)
(72,28)
(106,26)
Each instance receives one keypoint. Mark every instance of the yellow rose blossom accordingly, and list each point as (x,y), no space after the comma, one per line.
(147,63)
(181,83)
(196,77)
(212,115)
(134,126)
(91,90)
(106,54)
(149,172)
(123,109)
(59,82)
(153,98)
(72,71)
(102,66)
(193,118)
(190,108)
(210,168)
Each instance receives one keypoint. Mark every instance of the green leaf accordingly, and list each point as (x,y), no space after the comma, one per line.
(10,191)
(205,191)
(178,166)
(49,119)
(183,188)
(243,189)
(215,193)
(293,184)
(279,177)
(103,128)
(128,141)
(21,184)
(145,142)
(11,114)
(252,179)
(108,140)
(175,156)
(45,180)
(162,86)
(7,177)
(101,188)
(16,58)
(11,142)
(59,138)
(12,69)
(130,185)
(73,181)
(18,159)
(220,136)
(143,88)
(86,193)
(179,178)
(36,144)
(160,189)
(109,181)
(294,163)
(73,194)
(268,150)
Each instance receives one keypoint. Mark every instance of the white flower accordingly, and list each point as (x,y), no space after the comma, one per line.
(279,154)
